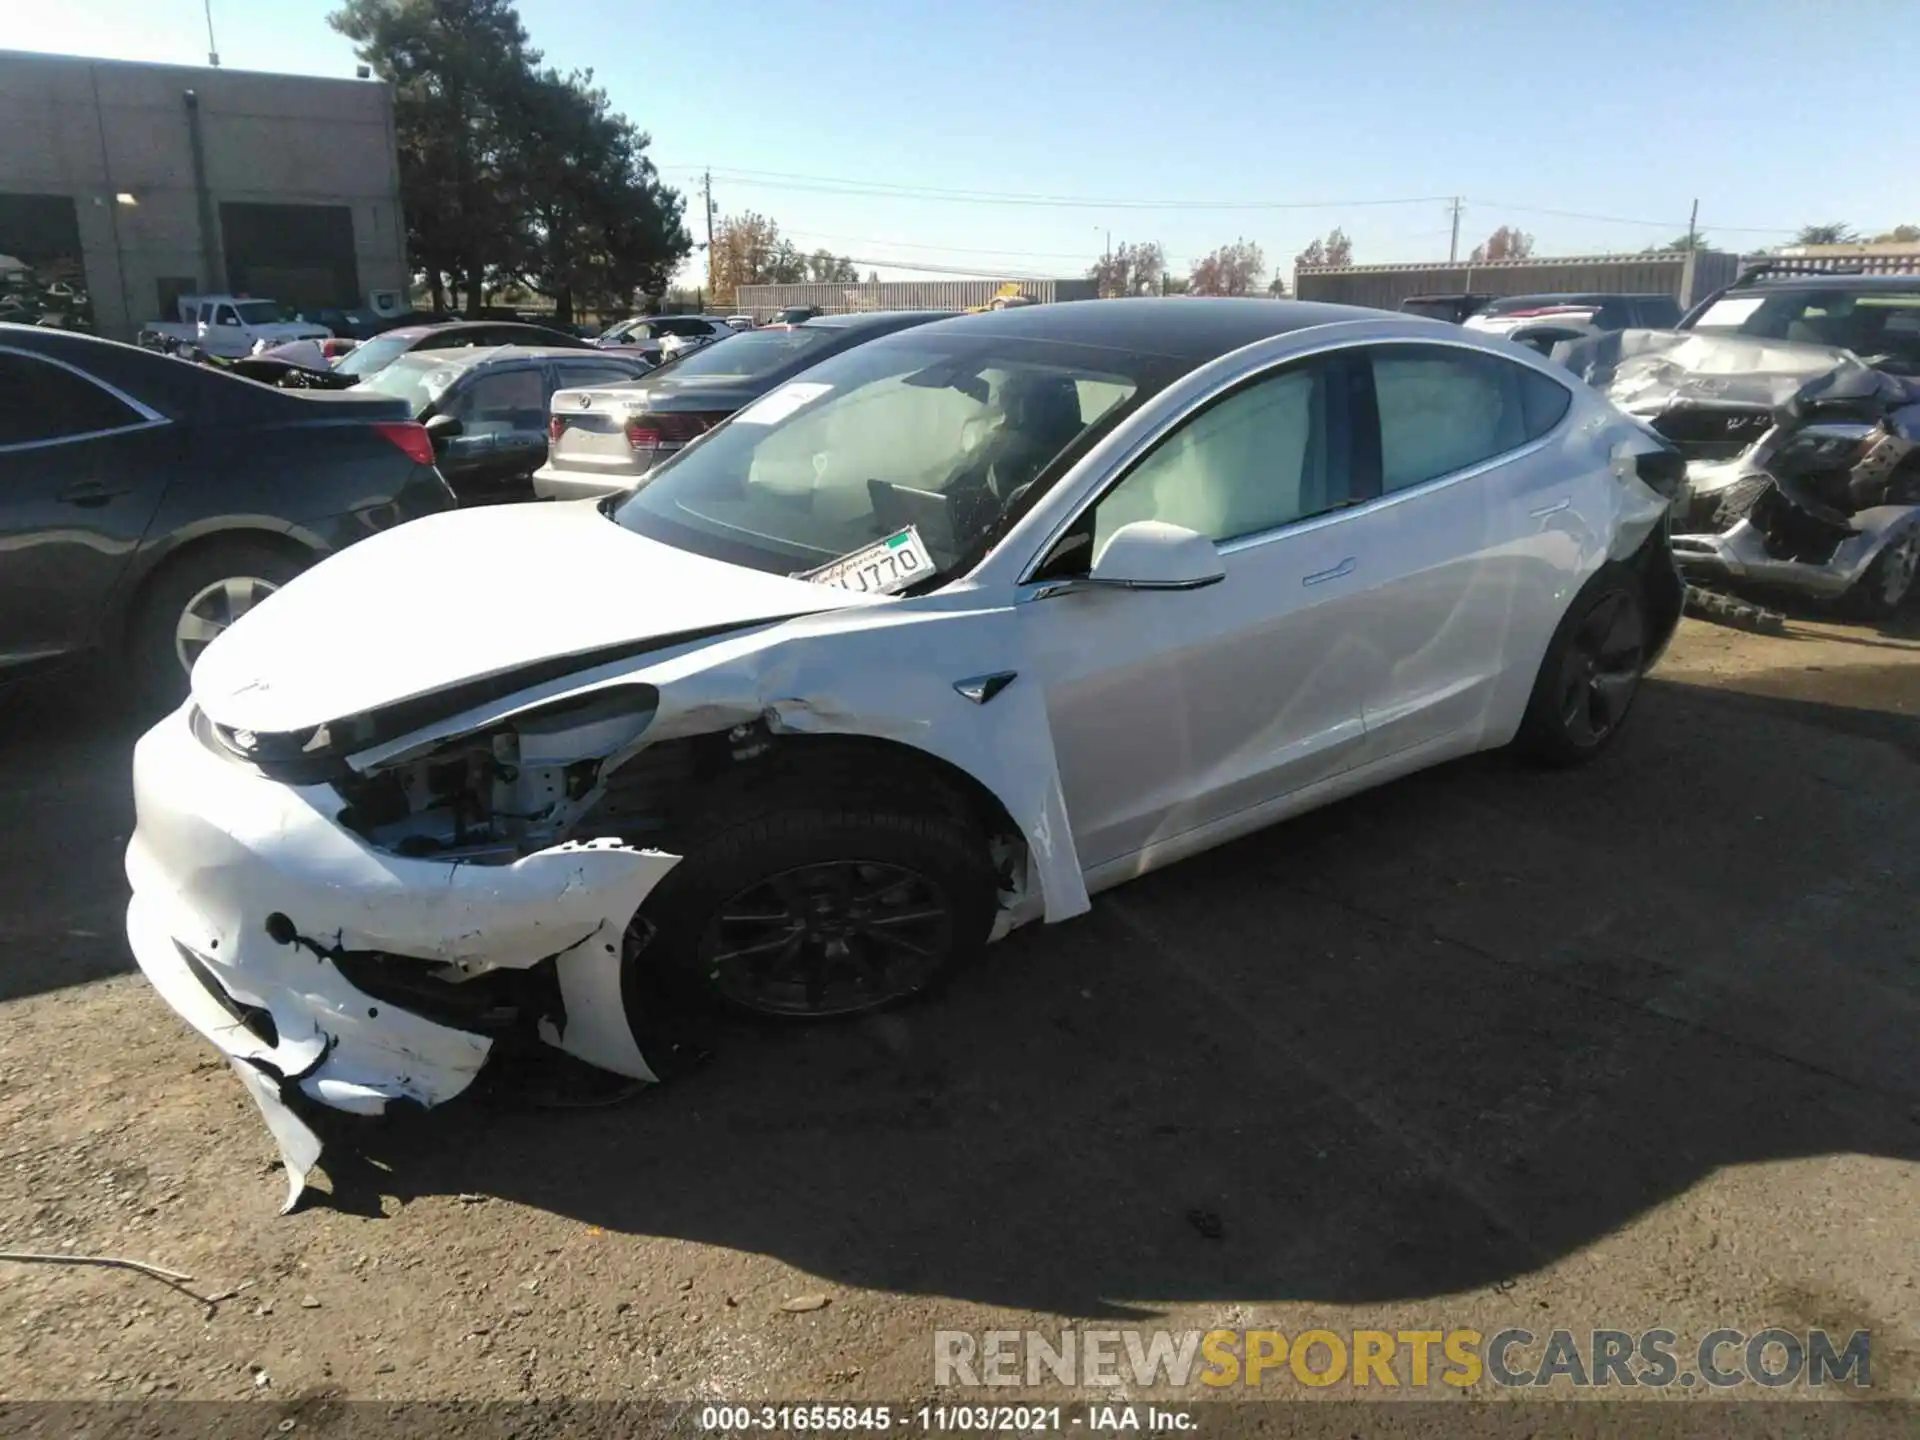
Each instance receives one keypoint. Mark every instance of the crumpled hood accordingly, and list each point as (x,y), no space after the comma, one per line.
(1643,371)
(467,595)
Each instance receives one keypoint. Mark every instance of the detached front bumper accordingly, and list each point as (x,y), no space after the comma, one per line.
(248,901)
(1741,553)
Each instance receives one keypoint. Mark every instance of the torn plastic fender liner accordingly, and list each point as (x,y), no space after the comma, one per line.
(891,676)
(885,675)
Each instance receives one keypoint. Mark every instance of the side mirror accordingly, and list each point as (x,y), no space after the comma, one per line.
(1147,555)
(1153,555)
(442,428)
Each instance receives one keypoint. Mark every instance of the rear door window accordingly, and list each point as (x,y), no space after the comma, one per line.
(40,402)
(504,401)
(1444,409)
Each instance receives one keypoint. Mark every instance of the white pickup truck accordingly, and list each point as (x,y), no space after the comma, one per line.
(228,326)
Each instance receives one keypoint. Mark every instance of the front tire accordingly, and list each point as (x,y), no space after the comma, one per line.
(1591,674)
(190,603)
(811,911)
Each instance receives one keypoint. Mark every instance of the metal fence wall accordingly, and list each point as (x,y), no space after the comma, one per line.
(1686,277)
(762,301)
(1871,261)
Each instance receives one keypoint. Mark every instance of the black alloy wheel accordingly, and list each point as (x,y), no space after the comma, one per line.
(1601,670)
(831,938)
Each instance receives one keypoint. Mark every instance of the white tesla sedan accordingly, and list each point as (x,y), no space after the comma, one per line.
(946,635)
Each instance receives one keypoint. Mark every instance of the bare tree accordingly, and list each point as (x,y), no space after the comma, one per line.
(1838,233)
(749,250)
(824,267)
(1336,250)
(1509,242)
(1235,269)
(1130,270)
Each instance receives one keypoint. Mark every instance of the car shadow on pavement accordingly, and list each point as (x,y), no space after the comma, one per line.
(66,810)
(1429,1039)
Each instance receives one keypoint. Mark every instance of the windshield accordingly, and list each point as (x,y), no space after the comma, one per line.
(258,312)
(1882,327)
(752,354)
(417,379)
(938,433)
(374,355)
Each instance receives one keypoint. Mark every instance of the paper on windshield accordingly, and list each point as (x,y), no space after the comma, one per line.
(776,405)
(877,569)
(1732,311)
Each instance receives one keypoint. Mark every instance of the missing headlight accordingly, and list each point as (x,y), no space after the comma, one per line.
(492,795)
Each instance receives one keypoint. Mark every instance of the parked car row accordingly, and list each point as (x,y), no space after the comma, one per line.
(871,638)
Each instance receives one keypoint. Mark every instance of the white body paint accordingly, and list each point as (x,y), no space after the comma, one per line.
(1141,726)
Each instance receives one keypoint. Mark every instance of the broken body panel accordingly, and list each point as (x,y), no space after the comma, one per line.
(325,937)
(358,866)
(1801,464)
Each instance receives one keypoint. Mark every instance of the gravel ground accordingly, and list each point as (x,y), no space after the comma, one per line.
(1625,1047)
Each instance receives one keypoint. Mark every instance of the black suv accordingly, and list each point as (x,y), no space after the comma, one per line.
(1877,317)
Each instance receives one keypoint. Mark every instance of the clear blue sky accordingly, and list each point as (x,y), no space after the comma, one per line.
(1773,114)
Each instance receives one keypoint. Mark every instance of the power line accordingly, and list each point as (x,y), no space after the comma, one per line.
(977,271)
(840,185)
(832,185)
(950,249)
(1649,224)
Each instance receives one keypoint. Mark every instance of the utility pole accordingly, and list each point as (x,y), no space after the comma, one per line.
(1690,267)
(706,184)
(1453,245)
(213,50)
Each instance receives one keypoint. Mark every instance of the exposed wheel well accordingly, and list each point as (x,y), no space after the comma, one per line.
(188,552)
(684,786)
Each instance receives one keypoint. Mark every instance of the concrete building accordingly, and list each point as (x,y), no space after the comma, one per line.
(125,185)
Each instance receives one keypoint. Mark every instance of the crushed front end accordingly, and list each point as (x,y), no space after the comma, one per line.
(1803,463)
(353,937)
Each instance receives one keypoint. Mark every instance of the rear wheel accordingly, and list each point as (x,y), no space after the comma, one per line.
(815,912)
(1590,676)
(191,603)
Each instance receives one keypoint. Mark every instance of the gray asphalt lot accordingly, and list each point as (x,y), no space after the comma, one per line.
(1626,1046)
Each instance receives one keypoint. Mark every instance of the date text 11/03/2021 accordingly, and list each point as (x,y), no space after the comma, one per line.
(938,1419)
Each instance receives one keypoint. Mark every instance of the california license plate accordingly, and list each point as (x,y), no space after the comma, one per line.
(879,569)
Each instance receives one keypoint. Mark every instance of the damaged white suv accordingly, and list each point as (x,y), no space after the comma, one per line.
(950,632)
